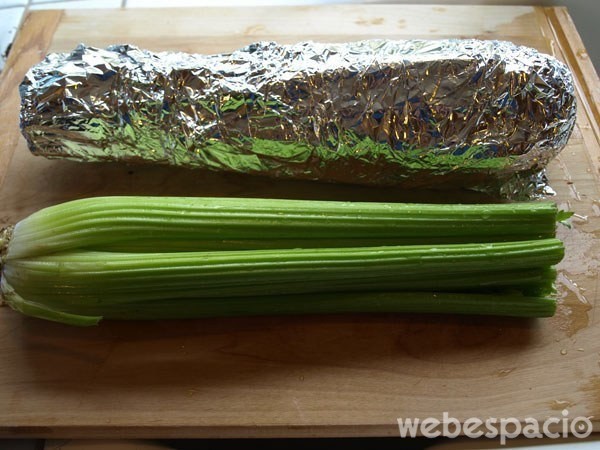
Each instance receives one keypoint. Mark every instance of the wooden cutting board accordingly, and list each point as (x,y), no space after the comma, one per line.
(302,376)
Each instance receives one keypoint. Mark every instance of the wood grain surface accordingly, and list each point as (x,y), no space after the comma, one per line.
(302,376)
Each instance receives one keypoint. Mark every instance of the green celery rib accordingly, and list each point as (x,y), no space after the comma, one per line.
(507,304)
(184,245)
(531,282)
(176,223)
(42,311)
(117,277)
(363,302)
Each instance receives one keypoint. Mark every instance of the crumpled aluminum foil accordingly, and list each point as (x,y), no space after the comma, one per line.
(417,113)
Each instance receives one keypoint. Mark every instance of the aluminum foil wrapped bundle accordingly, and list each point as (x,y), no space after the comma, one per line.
(414,113)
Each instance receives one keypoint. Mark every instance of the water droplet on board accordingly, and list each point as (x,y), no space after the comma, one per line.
(572,312)
(559,405)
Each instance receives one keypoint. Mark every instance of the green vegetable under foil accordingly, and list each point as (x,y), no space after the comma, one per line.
(161,257)
(448,113)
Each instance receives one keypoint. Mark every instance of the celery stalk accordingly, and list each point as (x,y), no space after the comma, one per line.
(146,257)
(136,224)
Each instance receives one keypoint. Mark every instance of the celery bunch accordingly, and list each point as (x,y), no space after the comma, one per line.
(162,257)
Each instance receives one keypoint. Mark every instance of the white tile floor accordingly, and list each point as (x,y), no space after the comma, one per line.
(10,19)
(11,3)
(75,4)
